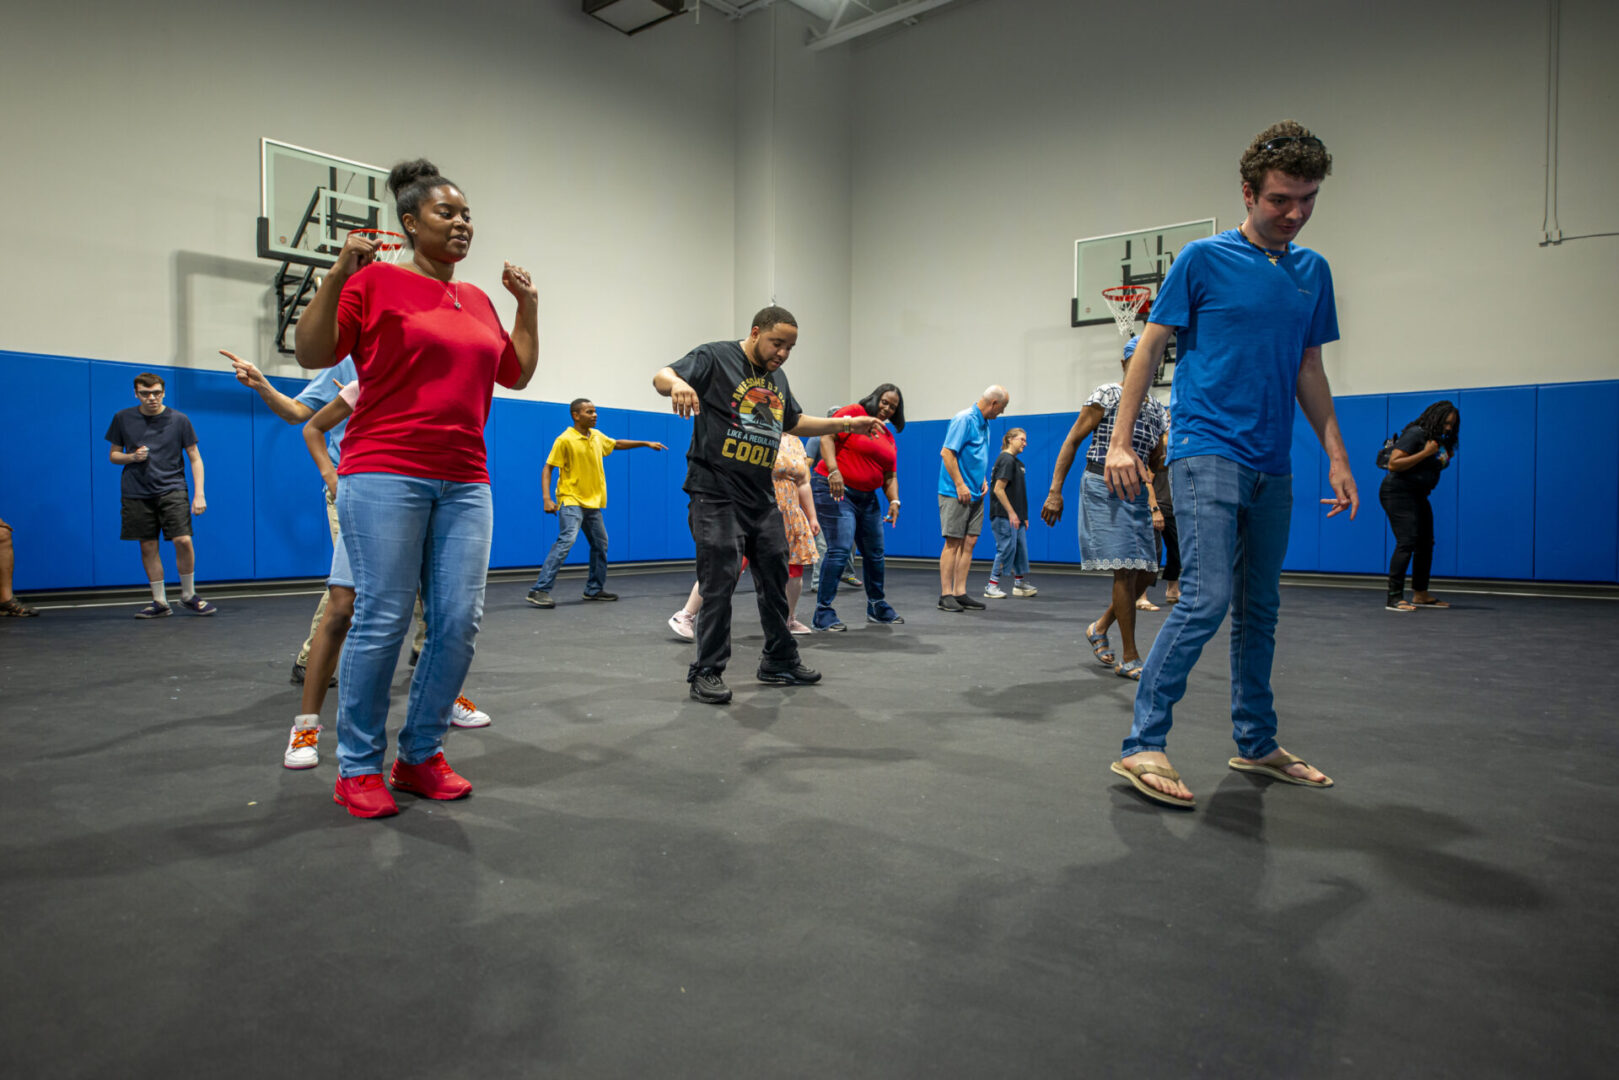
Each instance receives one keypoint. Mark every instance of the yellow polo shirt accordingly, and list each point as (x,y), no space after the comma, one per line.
(582,481)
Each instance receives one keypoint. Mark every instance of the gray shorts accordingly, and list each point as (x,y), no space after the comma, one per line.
(957,522)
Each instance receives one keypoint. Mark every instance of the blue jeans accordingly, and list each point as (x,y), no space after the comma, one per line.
(569,519)
(406,533)
(854,522)
(1233,534)
(1011,548)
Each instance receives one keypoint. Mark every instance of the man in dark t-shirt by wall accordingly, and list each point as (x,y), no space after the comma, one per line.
(149,441)
(740,404)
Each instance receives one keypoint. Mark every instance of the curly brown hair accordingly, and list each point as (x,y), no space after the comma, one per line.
(1302,156)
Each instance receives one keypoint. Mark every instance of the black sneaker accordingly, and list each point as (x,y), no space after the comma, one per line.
(797,675)
(968,603)
(540,598)
(709,688)
(601,596)
(154,610)
(415,655)
(949,603)
(298,676)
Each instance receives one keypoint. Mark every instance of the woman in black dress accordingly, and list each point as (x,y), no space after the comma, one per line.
(1423,450)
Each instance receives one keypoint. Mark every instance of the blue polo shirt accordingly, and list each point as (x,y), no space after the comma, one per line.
(321,390)
(1243,325)
(968,438)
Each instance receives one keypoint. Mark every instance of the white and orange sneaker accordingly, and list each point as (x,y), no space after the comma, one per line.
(465,714)
(302,752)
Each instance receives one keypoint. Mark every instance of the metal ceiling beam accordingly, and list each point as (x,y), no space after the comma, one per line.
(909,9)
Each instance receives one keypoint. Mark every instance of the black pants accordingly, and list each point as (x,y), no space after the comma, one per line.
(1411,517)
(724,532)
(1169,543)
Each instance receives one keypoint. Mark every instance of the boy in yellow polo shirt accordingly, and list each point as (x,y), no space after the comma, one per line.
(582,492)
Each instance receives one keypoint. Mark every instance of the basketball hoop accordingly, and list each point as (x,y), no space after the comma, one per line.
(1126,302)
(389,244)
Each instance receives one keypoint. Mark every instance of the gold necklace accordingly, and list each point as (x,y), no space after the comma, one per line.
(1274,256)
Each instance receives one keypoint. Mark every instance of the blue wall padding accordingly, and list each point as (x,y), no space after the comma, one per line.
(288,540)
(1304,535)
(1494,479)
(1576,505)
(1534,492)
(46,486)
(1355,546)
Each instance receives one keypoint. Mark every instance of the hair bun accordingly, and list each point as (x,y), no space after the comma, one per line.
(408,172)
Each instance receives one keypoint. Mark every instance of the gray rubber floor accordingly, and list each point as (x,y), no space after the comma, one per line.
(920,867)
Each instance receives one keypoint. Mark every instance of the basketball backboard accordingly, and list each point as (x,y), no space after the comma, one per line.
(1142,258)
(308,202)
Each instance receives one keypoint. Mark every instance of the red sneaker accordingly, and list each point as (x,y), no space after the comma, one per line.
(432,779)
(365,796)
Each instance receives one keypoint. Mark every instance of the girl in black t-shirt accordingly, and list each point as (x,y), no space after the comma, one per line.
(1423,450)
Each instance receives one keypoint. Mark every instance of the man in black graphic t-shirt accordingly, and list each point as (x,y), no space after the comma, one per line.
(740,404)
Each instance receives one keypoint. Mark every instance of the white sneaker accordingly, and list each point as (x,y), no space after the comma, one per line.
(684,625)
(302,753)
(1024,589)
(994,591)
(465,714)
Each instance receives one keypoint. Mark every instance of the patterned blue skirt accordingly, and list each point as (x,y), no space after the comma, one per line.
(1114,534)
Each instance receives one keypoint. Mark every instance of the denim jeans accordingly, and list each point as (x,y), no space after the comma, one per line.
(569,520)
(1233,534)
(406,533)
(1011,548)
(854,522)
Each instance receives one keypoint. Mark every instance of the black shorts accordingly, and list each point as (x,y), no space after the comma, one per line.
(170,511)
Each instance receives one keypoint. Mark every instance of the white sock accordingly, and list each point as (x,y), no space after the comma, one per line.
(158,592)
(188,586)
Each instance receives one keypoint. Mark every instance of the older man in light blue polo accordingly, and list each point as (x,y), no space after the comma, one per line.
(963,482)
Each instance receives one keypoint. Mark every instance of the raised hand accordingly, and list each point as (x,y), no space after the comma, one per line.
(358,252)
(244,370)
(519,284)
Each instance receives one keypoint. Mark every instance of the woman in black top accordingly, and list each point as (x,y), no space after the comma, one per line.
(1422,451)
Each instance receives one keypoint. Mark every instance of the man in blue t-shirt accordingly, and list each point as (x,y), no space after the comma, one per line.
(151,442)
(963,482)
(1251,310)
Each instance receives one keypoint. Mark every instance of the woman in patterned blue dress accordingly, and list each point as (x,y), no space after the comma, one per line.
(1114,534)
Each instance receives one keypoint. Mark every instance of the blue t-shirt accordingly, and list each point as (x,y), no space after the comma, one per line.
(166,436)
(1243,325)
(968,438)
(319,393)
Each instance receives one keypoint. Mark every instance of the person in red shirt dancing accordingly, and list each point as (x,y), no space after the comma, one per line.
(853,467)
(413,482)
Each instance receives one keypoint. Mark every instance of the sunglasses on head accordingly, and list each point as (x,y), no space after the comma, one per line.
(1282,140)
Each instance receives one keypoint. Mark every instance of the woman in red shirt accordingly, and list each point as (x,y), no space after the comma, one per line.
(852,469)
(413,481)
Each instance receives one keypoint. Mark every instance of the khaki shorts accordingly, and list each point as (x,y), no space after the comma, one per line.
(956,521)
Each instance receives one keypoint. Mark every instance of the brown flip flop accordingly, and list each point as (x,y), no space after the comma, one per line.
(1134,773)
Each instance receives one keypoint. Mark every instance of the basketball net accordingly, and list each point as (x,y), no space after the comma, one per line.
(1126,302)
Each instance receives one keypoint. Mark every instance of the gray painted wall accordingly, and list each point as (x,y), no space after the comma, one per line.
(995,133)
